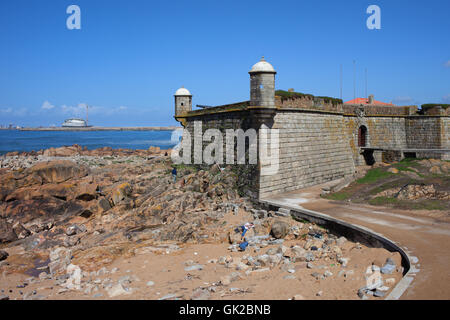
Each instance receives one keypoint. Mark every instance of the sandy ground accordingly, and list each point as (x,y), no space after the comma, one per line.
(167,273)
(426,234)
(165,268)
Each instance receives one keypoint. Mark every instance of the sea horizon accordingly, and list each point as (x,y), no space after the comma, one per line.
(27,141)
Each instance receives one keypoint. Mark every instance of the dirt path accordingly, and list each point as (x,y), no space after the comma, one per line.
(425,234)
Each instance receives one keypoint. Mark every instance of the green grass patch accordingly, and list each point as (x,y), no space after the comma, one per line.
(373,175)
(429,205)
(406,164)
(403,167)
(382,188)
(382,201)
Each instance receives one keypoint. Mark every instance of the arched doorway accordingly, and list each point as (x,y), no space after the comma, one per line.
(362,142)
(362,136)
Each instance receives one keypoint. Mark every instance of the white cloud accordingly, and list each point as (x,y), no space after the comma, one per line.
(80,110)
(403,100)
(47,105)
(7,110)
(20,112)
(112,111)
(73,111)
(447,64)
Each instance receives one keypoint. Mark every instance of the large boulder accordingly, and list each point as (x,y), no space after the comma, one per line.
(45,210)
(58,171)
(154,150)
(445,166)
(5,191)
(28,210)
(435,170)
(234,237)
(103,205)
(87,191)
(59,260)
(63,151)
(279,229)
(75,276)
(20,231)
(296,253)
(63,191)
(7,233)
(121,193)
(3,255)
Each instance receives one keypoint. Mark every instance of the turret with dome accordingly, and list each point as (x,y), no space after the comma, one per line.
(262,84)
(262,89)
(183,101)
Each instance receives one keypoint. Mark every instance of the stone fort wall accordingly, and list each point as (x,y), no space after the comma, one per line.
(248,174)
(445,136)
(319,138)
(312,151)
(317,146)
(382,132)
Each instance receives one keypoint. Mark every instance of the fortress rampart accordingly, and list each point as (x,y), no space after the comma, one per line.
(320,138)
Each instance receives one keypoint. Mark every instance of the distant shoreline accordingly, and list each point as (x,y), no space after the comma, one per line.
(171,128)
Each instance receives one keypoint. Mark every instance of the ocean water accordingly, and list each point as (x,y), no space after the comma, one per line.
(15,140)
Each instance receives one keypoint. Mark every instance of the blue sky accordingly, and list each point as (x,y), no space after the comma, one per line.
(129,57)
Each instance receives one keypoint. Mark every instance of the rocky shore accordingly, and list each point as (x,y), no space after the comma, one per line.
(81,155)
(112,224)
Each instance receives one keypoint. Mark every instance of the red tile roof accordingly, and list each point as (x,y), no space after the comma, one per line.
(366,101)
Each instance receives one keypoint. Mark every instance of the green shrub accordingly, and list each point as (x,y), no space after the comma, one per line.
(427,106)
(291,95)
(331,100)
(432,105)
(285,95)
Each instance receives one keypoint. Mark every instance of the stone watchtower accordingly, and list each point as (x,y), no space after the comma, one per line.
(262,84)
(183,101)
